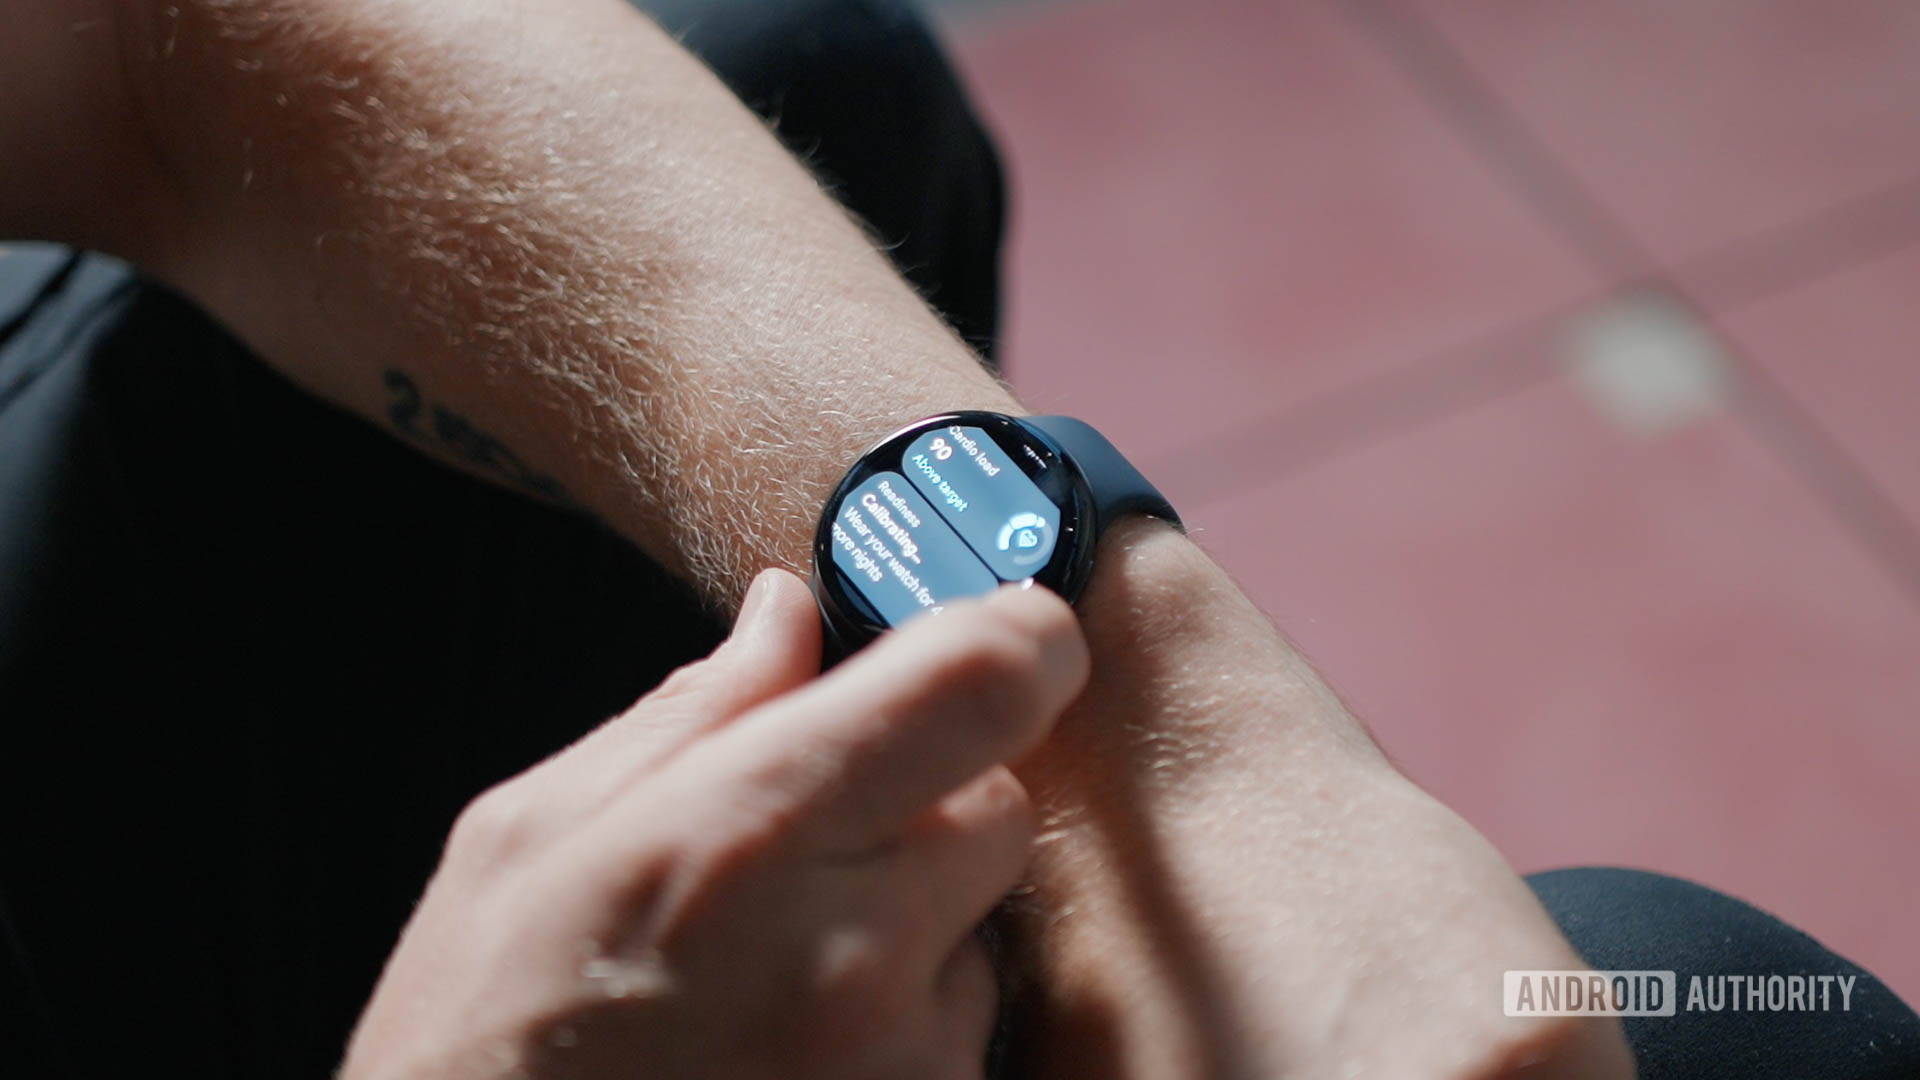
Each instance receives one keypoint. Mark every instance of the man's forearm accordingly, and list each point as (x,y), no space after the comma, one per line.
(541,240)
(557,228)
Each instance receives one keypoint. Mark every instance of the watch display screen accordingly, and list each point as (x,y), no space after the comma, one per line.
(946,510)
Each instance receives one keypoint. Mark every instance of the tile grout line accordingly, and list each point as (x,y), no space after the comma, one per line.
(1349,418)
(1770,414)
(1442,79)
(1792,434)
(1504,141)
(1801,252)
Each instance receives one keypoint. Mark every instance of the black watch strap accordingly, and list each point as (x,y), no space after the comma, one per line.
(1118,488)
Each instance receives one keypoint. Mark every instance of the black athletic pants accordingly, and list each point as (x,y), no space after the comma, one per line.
(255,654)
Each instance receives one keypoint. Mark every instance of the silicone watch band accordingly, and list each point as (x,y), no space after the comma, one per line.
(1118,488)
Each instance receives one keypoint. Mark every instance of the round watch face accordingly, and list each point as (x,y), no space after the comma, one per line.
(950,507)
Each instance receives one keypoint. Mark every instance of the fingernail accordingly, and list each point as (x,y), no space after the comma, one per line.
(1007,591)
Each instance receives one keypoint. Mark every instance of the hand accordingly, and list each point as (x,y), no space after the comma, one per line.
(751,873)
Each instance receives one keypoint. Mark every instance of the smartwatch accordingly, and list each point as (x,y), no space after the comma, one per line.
(958,504)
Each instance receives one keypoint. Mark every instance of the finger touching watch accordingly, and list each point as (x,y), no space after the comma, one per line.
(957,505)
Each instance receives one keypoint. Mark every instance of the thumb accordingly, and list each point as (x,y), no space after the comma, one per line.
(774,647)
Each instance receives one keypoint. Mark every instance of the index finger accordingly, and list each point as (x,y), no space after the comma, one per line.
(865,749)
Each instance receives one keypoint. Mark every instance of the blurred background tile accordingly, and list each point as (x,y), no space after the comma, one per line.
(1701,123)
(1544,369)
(1846,348)
(1227,209)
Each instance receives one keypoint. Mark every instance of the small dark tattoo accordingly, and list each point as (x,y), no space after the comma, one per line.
(455,434)
(404,408)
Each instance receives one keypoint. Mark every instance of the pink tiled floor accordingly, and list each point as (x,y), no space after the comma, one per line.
(1323,295)
(1704,122)
(1188,190)
(1846,348)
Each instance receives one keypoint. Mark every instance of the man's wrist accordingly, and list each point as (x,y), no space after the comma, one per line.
(1181,649)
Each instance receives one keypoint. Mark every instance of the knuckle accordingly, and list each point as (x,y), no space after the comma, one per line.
(683,681)
(1011,806)
(496,826)
(995,838)
(854,967)
(858,989)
